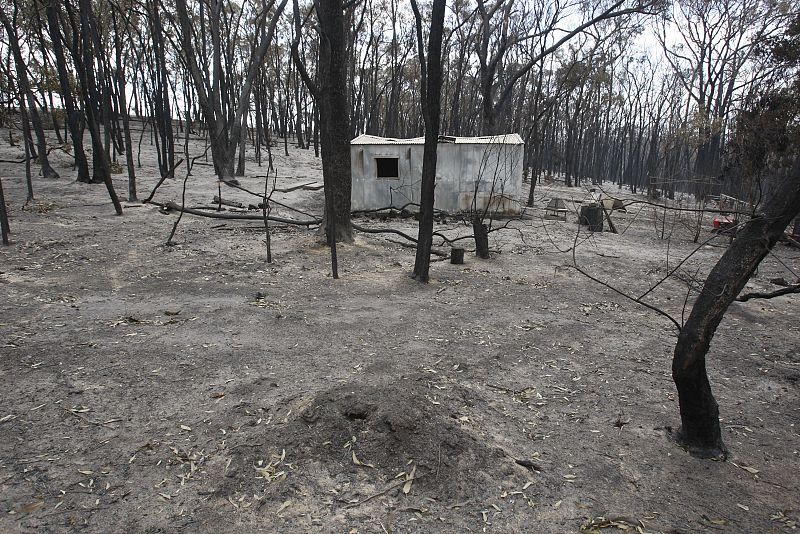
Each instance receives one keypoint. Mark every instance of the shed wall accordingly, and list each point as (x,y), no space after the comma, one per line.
(490,170)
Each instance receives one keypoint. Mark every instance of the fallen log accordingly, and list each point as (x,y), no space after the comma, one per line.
(307,186)
(172,206)
(769,295)
(231,203)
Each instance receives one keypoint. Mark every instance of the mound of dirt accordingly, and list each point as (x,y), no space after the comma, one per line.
(397,425)
(402,437)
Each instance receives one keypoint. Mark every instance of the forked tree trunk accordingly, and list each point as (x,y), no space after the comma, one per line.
(84,65)
(223,120)
(26,94)
(700,431)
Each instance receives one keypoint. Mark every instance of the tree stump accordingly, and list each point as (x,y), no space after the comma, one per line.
(592,216)
(481,238)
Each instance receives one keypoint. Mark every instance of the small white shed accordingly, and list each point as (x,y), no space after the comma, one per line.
(388,172)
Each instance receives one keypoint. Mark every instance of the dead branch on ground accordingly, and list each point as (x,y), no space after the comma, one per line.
(239,216)
(769,295)
(264,199)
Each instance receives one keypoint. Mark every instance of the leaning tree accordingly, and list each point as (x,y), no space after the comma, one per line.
(767,144)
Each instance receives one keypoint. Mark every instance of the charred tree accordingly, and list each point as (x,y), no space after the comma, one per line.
(5,229)
(161,101)
(83,54)
(123,110)
(74,117)
(767,139)
(223,117)
(330,94)
(700,430)
(25,93)
(431,70)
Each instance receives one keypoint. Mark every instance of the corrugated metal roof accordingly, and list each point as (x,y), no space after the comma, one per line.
(365,139)
(508,139)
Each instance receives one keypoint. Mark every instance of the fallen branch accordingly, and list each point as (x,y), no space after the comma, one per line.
(386,208)
(232,203)
(264,198)
(308,187)
(384,492)
(770,295)
(86,419)
(449,241)
(409,245)
(402,209)
(239,216)
(608,218)
(34,158)
(384,231)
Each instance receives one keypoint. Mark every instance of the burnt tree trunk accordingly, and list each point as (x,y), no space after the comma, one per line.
(73,115)
(161,101)
(330,94)
(431,112)
(5,229)
(700,431)
(26,94)
(28,142)
(240,164)
(334,116)
(101,170)
(123,110)
(481,233)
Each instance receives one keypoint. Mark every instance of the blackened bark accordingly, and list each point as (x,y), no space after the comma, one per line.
(25,93)
(330,93)
(298,129)
(161,100)
(123,110)
(5,229)
(28,142)
(335,116)
(431,113)
(242,147)
(316,132)
(481,233)
(259,123)
(101,166)
(700,430)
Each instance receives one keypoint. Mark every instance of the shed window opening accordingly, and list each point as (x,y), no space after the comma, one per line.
(388,168)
